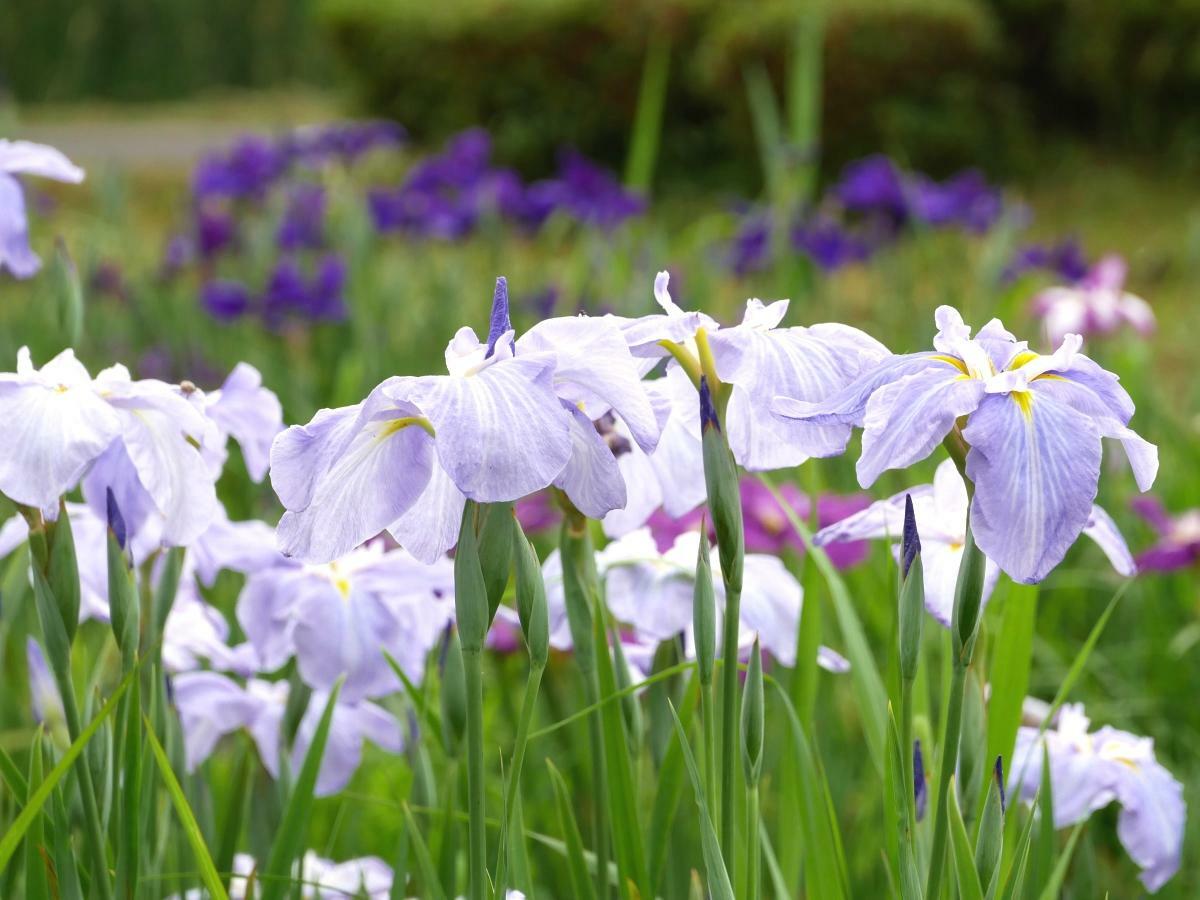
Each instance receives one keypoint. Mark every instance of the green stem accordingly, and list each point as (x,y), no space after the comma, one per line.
(514,779)
(477,825)
(754,889)
(730,727)
(946,764)
(599,789)
(708,715)
(647,123)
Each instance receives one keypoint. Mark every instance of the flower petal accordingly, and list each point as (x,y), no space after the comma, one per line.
(591,478)
(1035,470)
(250,414)
(429,527)
(906,419)
(1103,530)
(28,158)
(1151,822)
(501,433)
(15,252)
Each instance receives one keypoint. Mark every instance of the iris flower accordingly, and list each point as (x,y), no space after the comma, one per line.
(1089,770)
(242,409)
(941,511)
(25,158)
(760,360)
(337,618)
(323,879)
(652,592)
(1097,304)
(1178,543)
(212,705)
(1033,426)
(511,417)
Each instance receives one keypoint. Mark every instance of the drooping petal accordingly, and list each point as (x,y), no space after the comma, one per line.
(501,433)
(264,612)
(906,419)
(591,478)
(882,519)
(848,405)
(53,430)
(346,637)
(594,368)
(375,480)
(642,490)
(1151,823)
(1103,530)
(29,158)
(210,707)
(1035,465)
(429,527)
(245,547)
(249,413)
(15,253)
(302,454)
(940,562)
(771,601)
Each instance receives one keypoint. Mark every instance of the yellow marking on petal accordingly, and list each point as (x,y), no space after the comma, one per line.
(1024,400)
(954,361)
(1026,356)
(1049,375)
(61,389)
(395,425)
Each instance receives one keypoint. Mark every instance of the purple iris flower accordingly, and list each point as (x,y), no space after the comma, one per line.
(1178,543)
(25,158)
(286,290)
(246,171)
(873,185)
(941,514)
(326,298)
(45,702)
(965,200)
(1091,769)
(1096,305)
(750,249)
(216,230)
(1065,259)
(303,222)
(225,300)
(588,193)
(212,705)
(1033,424)
(829,245)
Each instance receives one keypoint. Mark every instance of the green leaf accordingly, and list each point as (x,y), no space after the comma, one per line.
(425,868)
(719,887)
(129,847)
(16,831)
(1043,844)
(13,778)
(622,798)
(1012,656)
(400,870)
(63,572)
(669,787)
(235,809)
(36,884)
(1053,887)
(208,870)
(989,844)
(289,840)
(416,696)
(964,859)
(864,673)
(581,883)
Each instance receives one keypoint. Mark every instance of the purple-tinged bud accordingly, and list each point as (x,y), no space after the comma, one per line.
(116,521)
(920,788)
(998,774)
(708,412)
(911,544)
(500,322)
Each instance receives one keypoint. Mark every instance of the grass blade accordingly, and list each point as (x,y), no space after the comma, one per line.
(425,867)
(208,870)
(964,858)
(16,831)
(719,887)
(669,788)
(581,882)
(1009,678)
(36,883)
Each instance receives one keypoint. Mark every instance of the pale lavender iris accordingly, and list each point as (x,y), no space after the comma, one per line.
(651,591)
(1033,424)
(246,411)
(510,418)
(1091,769)
(760,360)
(25,158)
(45,702)
(941,512)
(337,619)
(1178,543)
(1097,304)
(212,705)
(317,879)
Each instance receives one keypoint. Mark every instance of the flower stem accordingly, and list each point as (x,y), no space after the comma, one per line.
(753,889)
(473,669)
(514,779)
(906,753)
(729,718)
(708,715)
(946,764)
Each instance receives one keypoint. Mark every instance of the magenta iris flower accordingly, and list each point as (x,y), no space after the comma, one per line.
(1178,543)
(1033,423)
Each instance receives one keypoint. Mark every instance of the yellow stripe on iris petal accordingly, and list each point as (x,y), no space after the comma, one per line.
(394,425)
(957,363)
(1024,401)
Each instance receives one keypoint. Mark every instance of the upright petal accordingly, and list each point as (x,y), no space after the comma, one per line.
(501,433)
(249,413)
(376,480)
(1035,465)
(848,405)
(594,368)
